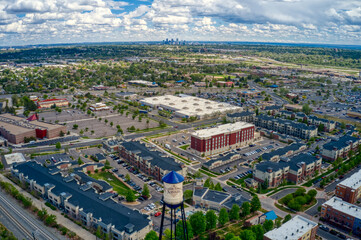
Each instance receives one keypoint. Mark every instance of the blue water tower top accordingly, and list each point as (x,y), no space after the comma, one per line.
(173,178)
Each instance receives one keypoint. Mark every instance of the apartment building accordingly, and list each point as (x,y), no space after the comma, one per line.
(222,138)
(273,109)
(349,190)
(295,169)
(212,199)
(286,151)
(241,117)
(328,125)
(298,228)
(149,160)
(343,215)
(284,126)
(85,199)
(340,148)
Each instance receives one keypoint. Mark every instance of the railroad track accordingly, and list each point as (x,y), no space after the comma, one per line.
(33,225)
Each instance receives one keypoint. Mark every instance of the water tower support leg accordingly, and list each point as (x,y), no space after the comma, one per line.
(161,223)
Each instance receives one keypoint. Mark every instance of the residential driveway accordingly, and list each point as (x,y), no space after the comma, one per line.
(313,210)
(283,193)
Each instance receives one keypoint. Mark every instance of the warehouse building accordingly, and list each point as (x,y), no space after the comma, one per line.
(58,102)
(343,215)
(295,229)
(340,148)
(187,106)
(222,138)
(87,200)
(16,129)
(149,160)
(349,190)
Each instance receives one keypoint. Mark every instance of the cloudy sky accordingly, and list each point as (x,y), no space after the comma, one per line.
(69,21)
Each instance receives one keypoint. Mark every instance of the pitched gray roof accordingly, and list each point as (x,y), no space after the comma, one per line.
(108,210)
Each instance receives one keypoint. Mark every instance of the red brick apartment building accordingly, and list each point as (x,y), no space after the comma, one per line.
(149,160)
(343,215)
(295,169)
(222,138)
(349,190)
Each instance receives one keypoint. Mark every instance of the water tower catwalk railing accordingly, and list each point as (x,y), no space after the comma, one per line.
(173,199)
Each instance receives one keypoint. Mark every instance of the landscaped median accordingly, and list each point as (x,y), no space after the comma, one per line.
(298,201)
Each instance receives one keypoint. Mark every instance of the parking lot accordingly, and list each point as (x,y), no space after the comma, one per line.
(247,155)
(175,142)
(103,124)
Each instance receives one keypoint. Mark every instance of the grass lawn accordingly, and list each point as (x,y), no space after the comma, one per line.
(207,173)
(184,147)
(117,185)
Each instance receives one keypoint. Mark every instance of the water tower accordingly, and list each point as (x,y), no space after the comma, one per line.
(173,199)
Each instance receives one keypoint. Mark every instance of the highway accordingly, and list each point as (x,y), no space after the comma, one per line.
(22,223)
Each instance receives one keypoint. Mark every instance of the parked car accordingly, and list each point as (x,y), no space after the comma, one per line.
(157,214)
(324,228)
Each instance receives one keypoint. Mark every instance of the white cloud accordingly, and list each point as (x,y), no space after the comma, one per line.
(247,20)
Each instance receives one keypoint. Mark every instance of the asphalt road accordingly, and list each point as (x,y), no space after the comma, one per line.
(26,224)
(333,185)
(283,193)
(313,210)
(326,235)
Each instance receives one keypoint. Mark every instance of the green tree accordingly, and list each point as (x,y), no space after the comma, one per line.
(168,235)
(229,236)
(223,217)
(287,218)
(58,145)
(278,222)
(180,230)
(306,109)
(130,197)
(246,209)
(312,193)
(234,213)
(42,214)
(98,232)
(258,231)
(80,162)
(218,187)
(50,220)
(188,194)
(127,177)
(268,225)
(248,235)
(152,235)
(198,223)
(207,183)
(255,204)
(145,191)
(211,220)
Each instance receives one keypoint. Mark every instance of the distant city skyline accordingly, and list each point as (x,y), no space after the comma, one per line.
(24,22)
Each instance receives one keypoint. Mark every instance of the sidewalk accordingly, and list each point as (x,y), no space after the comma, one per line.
(40,203)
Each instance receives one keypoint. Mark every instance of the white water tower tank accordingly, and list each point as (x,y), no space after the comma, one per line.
(173,188)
